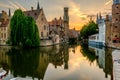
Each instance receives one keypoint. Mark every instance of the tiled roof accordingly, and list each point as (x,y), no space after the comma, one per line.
(56,22)
(33,13)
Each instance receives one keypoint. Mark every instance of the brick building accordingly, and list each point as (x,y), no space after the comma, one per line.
(113,26)
(4,27)
(60,26)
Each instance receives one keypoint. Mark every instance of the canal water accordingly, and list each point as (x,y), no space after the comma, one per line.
(60,62)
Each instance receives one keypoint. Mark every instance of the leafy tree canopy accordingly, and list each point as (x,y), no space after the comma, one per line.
(24,31)
(89,29)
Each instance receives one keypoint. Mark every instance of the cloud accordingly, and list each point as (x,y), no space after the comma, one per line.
(20,6)
(6,6)
(16,5)
(107,3)
(77,17)
(75,10)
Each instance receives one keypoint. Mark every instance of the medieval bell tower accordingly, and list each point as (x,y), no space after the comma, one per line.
(66,23)
(115,36)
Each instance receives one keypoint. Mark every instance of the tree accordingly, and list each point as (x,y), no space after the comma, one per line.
(24,31)
(89,29)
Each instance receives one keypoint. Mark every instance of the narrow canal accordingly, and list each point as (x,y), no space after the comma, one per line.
(61,62)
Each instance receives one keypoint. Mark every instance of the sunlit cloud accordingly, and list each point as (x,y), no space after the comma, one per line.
(21,7)
(77,17)
(12,4)
(6,6)
(75,10)
(16,5)
(107,3)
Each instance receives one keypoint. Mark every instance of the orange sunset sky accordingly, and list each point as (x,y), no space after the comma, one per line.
(79,10)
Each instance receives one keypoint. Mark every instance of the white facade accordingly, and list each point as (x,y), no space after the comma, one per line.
(99,39)
(101,26)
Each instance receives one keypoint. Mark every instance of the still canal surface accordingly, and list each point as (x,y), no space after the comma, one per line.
(61,62)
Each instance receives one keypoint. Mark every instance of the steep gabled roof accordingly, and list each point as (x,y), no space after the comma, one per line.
(33,13)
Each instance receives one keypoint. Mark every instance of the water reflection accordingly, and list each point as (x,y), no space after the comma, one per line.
(33,62)
(61,62)
(104,59)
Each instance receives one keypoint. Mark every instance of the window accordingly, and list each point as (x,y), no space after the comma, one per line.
(41,34)
(115,26)
(4,28)
(47,34)
(1,28)
(48,28)
(41,19)
(115,35)
(116,19)
(44,27)
(4,35)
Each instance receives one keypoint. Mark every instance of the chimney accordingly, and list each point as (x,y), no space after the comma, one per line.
(107,17)
(32,8)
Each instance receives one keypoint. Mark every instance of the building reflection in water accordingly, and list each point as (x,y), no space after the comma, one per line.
(33,63)
(104,59)
(22,63)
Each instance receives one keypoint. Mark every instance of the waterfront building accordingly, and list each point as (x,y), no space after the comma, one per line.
(99,39)
(115,36)
(4,25)
(39,16)
(73,33)
(56,27)
(113,26)
(108,23)
(60,26)
(115,29)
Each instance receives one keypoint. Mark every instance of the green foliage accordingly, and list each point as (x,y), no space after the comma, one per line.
(87,53)
(89,29)
(24,31)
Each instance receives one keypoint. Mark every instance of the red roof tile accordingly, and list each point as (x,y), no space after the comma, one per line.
(33,13)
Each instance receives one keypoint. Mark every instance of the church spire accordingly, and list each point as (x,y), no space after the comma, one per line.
(38,6)
(9,12)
